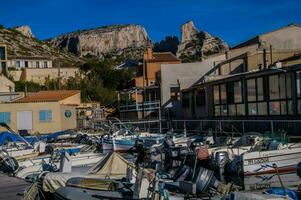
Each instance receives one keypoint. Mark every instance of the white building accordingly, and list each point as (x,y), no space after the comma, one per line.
(29,62)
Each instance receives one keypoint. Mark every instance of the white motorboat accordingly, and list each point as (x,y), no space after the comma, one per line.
(282,159)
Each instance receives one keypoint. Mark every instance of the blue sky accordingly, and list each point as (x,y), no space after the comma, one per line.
(232,20)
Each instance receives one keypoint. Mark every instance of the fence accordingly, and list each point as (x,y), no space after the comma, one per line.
(292,127)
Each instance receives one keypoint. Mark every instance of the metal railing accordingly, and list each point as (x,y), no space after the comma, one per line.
(145,106)
(292,127)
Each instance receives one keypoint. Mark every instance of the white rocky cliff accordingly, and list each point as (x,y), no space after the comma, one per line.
(101,41)
(25,30)
(196,45)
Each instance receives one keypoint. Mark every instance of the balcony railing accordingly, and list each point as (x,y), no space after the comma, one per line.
(145,106)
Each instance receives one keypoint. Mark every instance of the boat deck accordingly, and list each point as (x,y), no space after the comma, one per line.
(11,187)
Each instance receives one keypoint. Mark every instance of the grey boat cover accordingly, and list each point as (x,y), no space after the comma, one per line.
(114,168)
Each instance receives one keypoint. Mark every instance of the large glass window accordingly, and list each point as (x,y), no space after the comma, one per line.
(216,94)
(185,100)
(228,99)
(259,87)
(5,117)
(175,93)
(251,86)
(256,103)
(237,92)
(274,87)
(280,94)
(200,98)
(45,115)
(223,94)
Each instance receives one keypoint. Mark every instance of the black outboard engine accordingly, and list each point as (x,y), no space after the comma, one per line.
(221,159)
(201,182)
(8,164)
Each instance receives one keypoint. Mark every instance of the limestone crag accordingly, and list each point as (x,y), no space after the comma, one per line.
(25,30)
(196,45)
(114,40)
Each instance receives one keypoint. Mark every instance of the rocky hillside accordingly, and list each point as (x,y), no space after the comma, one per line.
(196,45)
(115,41)
(21,43)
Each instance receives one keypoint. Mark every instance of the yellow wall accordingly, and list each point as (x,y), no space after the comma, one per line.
(59,121)
(68,123)
(73,100)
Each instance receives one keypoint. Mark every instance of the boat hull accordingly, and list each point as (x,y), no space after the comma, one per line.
(286,160)
(123,145)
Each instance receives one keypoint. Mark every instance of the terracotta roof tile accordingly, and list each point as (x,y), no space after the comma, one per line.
(48,96)
(164,57)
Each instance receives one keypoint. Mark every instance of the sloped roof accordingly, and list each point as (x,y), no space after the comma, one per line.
(48,96)
(163,57)
(256,38)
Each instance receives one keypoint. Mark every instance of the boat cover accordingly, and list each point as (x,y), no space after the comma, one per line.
(115,168)
(7,136)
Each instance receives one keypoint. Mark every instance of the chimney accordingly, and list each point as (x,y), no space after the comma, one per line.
(149,53)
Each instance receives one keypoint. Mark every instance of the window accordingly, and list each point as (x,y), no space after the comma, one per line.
(216,94)
(228,99)
(223,94)
(256,103)
(37,64)
(251,87)
(201,98)
(252,108)
(175,93)
(262,108)
(273,87)
(185,100)
(26,64)
(18,64)
(237,92)
(45,64)
(274,108)
(45,115)
(2,53)
(259,89)
(280,94)
(5,117)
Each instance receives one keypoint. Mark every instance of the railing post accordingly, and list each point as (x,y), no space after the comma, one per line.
(184,125)
(243,127)
(272,126)
(201,125)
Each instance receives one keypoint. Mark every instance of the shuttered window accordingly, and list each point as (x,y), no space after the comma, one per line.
(45,115)
(5,117)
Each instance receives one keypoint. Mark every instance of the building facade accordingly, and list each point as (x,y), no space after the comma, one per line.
(142,98)
(29,62)
(176,77)
(259,80)
(42,112)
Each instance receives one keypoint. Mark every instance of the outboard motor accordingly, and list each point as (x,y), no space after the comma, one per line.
(221,159)
(8,164)
(204,180)
(182,173)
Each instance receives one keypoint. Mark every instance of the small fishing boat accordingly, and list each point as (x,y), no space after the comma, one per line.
(283,159)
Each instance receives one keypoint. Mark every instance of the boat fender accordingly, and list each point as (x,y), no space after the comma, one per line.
(202,153)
